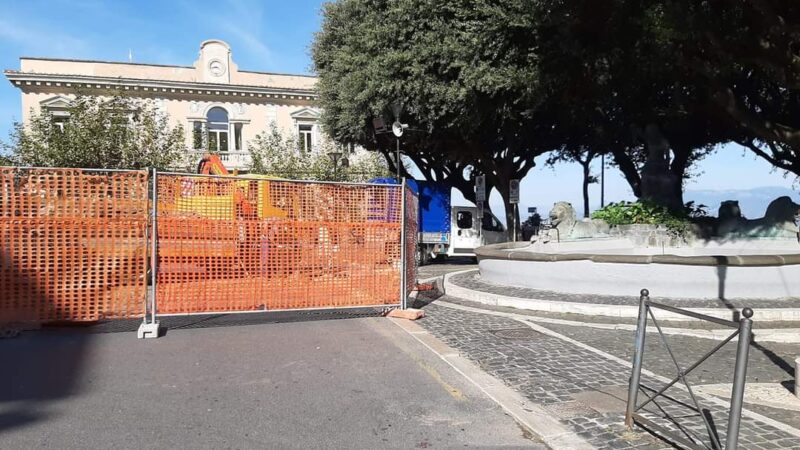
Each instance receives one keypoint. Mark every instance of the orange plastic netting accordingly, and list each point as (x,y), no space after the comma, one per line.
(243,244)
(72,244)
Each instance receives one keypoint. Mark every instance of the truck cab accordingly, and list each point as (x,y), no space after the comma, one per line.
(446,230)
(467,235)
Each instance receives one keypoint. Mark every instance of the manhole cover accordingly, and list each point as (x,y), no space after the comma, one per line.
(518,334)
(569,410)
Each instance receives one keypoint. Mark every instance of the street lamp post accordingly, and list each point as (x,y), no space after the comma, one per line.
(398,161)
(338,160)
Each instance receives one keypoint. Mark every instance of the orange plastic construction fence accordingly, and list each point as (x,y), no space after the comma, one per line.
(72,244)
(248,244)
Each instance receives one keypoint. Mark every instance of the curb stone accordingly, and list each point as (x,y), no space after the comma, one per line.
(594,309)
(536,419)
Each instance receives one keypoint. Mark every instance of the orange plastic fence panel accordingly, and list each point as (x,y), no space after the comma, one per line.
(72,244)
(232,244)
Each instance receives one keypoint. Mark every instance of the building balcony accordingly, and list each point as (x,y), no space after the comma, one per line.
(232,160)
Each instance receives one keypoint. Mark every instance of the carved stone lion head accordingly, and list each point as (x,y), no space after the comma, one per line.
(563,214)
(782,209)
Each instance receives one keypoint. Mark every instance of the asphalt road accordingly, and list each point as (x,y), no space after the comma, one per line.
(355,383)
(452,264)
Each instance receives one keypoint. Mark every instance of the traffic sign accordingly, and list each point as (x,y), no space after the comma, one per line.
(513,191)
(480,188)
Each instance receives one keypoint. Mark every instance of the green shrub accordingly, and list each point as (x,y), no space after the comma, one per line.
(642,212)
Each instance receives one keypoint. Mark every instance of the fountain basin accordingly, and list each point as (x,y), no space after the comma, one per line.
(745,269)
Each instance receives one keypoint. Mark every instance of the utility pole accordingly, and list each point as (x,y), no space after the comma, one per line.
(398,161)
(602,180)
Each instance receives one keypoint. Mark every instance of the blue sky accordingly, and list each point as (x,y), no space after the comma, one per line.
(270,36)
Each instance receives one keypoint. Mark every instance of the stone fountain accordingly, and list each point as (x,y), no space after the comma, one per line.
(724,257)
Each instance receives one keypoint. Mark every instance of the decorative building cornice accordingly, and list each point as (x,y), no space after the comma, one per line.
(29,80)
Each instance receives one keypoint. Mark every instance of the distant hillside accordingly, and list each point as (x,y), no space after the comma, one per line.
(753,202)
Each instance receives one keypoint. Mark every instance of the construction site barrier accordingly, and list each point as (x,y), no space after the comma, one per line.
(411,223)
(236,244)
(72,244)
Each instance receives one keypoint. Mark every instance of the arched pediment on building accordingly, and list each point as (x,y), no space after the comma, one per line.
(310,114)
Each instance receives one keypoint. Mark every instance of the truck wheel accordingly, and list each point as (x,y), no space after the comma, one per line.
(422,257)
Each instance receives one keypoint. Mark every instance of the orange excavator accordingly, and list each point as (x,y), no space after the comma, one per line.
(212,203)
(249,198)
(211,164)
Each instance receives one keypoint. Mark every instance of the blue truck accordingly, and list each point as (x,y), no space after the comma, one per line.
(447,230)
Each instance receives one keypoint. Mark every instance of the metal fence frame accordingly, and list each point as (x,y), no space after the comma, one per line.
(743,331)
(150,322)
(150,245)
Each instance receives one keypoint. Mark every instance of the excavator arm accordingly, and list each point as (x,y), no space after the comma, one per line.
(210,164)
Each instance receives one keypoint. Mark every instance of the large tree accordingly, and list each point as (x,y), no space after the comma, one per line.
(115,133)
(464,73)
(705,72)
(608,69)
(746,55)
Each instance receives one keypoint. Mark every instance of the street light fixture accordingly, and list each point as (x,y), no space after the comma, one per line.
(336,157)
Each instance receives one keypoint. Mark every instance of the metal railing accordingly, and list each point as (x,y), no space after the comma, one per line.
(743,331)
(232,160)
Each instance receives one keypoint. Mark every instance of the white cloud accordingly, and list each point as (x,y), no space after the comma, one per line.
(238,20)
(37,40)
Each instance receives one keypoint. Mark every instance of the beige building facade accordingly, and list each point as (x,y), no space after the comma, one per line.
(221,107)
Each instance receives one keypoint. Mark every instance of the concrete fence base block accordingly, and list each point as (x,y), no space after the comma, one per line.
(148,330)
(797,377)
(410,313)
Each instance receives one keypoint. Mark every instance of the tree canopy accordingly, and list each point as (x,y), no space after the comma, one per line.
(493,84)
(463,73)
(706,73)
(116,133)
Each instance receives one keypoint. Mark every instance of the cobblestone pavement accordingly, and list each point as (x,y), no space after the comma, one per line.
(769,362)
(585,389)
(472,280)
(588,319)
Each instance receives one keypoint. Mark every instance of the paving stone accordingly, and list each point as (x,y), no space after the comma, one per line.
(552,372)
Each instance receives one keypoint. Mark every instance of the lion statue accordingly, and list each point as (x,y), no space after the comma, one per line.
(565,224)
(779,220)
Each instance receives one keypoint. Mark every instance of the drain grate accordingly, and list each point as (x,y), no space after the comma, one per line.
(517,334)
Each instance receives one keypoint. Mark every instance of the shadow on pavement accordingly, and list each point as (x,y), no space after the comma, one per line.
(37,367)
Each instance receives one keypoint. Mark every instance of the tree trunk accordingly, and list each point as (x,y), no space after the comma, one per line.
(512,215)
(586,180)
(678,167)
(629,170)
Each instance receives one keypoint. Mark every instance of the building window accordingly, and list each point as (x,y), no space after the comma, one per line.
(306,135)
(237,136)
(59,121)
(217,130)
(197,135)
